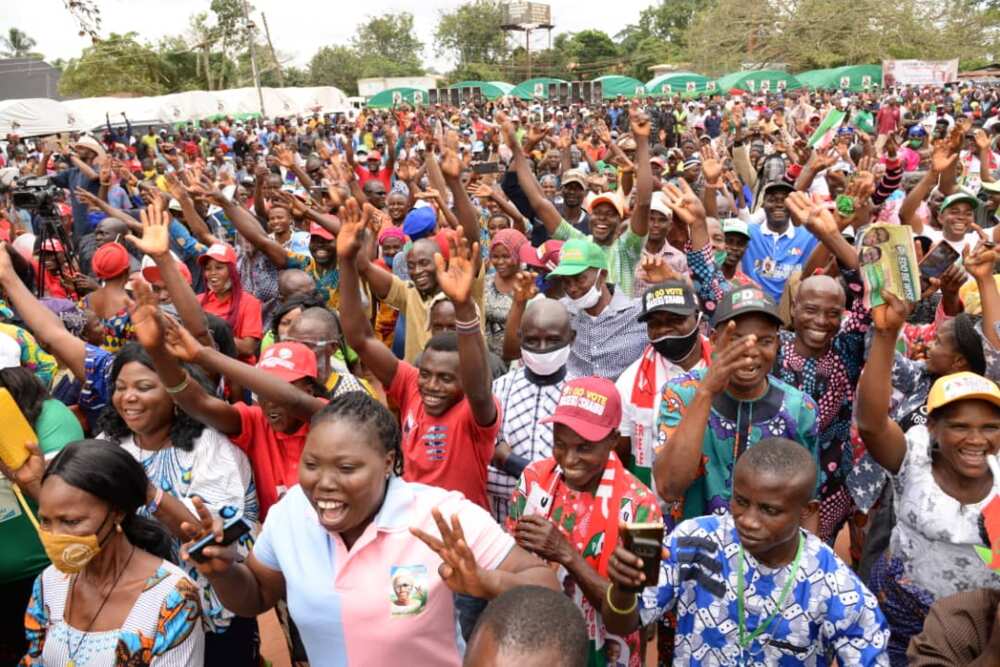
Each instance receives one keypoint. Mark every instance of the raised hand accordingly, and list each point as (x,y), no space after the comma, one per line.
(483,190)
(891,316)
(942,157)
(406,171)
(284,156)
(179,341)
(654,269)
(684,203)
(981,261)
(451,165)
(525,288)
(982,140)
(155,240)
(177,190)
(351,236)
(88,198)
(799,206)
(456,279)
(458,568)
(711,166)
(639,123)
(145,316)
(536,133)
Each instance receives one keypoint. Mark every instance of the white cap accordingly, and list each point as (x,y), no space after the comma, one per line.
(10,352)
(659,204)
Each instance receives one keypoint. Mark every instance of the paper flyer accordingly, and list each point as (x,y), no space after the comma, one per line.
(889,262)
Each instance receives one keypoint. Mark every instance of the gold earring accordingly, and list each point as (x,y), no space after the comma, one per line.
(118,527)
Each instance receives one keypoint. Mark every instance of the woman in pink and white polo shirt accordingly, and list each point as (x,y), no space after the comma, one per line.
(367,561)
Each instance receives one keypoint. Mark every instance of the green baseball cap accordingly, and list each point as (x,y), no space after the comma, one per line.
(957,197)
(579,255)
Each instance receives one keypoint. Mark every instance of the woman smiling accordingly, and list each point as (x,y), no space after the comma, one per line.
(355,525)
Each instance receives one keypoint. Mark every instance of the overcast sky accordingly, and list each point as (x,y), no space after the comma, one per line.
(298,28)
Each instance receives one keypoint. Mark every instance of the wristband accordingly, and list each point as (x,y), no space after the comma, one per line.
(180,387)
(845,205)
(616,610)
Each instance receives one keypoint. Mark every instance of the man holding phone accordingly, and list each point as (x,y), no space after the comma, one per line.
(567,508)
(753,587)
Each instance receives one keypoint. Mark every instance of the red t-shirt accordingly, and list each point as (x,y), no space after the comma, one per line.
(248,317)
(887,120)
(450,451)
(384,174)
(273,456)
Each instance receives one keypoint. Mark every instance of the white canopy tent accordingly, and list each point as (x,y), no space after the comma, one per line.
(41,116)
(319,99)
(37,116)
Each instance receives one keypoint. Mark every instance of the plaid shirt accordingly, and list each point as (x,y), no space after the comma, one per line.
(523,404)
(607,344)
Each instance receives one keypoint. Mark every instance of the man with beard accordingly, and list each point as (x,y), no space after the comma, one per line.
(672,317)
(777,247)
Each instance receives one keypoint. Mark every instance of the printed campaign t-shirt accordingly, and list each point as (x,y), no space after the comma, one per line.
(771,258)
(450,451)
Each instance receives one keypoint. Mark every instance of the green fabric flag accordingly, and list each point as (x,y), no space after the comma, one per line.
(864,121)
(827,128)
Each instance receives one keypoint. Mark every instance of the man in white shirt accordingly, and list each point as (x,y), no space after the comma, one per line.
(672,317)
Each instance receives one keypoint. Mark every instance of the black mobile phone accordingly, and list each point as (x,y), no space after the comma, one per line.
(937,261)
(645,540)
(486,168)
(232,530)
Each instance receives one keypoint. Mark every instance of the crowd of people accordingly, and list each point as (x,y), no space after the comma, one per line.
(425,381)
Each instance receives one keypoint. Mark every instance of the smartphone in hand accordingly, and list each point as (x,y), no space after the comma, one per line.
(645,540)
(232,530)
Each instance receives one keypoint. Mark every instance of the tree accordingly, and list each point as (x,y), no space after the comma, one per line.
(810,34)
(114,66)
(669,19)
(589,53)
(16,43)
(388,47)
(471,34)
(338,66)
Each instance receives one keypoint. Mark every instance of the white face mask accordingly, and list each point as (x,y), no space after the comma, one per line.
(545,363)
(588,300)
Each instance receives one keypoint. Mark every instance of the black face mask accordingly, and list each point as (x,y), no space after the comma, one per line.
(676,348)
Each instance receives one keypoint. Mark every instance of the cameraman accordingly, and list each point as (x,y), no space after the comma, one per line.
(84,155)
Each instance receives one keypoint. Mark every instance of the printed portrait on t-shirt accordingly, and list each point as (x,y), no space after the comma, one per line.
(408,594)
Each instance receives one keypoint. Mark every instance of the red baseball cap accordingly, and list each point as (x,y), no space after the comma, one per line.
(545,256)
(220,252)
(151,272)
(289,361)
(51,245)
(590,406)
(374,155)
(316,229)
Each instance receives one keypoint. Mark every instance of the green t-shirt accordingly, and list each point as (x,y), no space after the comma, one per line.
(22,555)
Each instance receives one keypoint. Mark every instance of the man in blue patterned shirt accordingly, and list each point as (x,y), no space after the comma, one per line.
(753,587)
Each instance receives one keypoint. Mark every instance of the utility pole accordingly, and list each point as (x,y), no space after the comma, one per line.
(253,56)
(274,56)
(527,47)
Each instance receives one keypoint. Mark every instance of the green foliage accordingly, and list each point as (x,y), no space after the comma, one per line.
(810,34)
(115,66)
(338,66)
(471,34)
(388,47)
(16,44)
(589,53)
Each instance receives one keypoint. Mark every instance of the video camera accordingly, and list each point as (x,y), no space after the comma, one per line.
(35,193)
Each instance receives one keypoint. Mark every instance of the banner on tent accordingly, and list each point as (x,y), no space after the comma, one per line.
(919,72)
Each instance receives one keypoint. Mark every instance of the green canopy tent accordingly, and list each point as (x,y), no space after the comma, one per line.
(680,83)
(534,88)
(394,96)
(613,85)
(758,81)
(491,90)
(814,78)
(853,78)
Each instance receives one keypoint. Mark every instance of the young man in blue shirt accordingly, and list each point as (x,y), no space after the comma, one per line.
(777,248)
